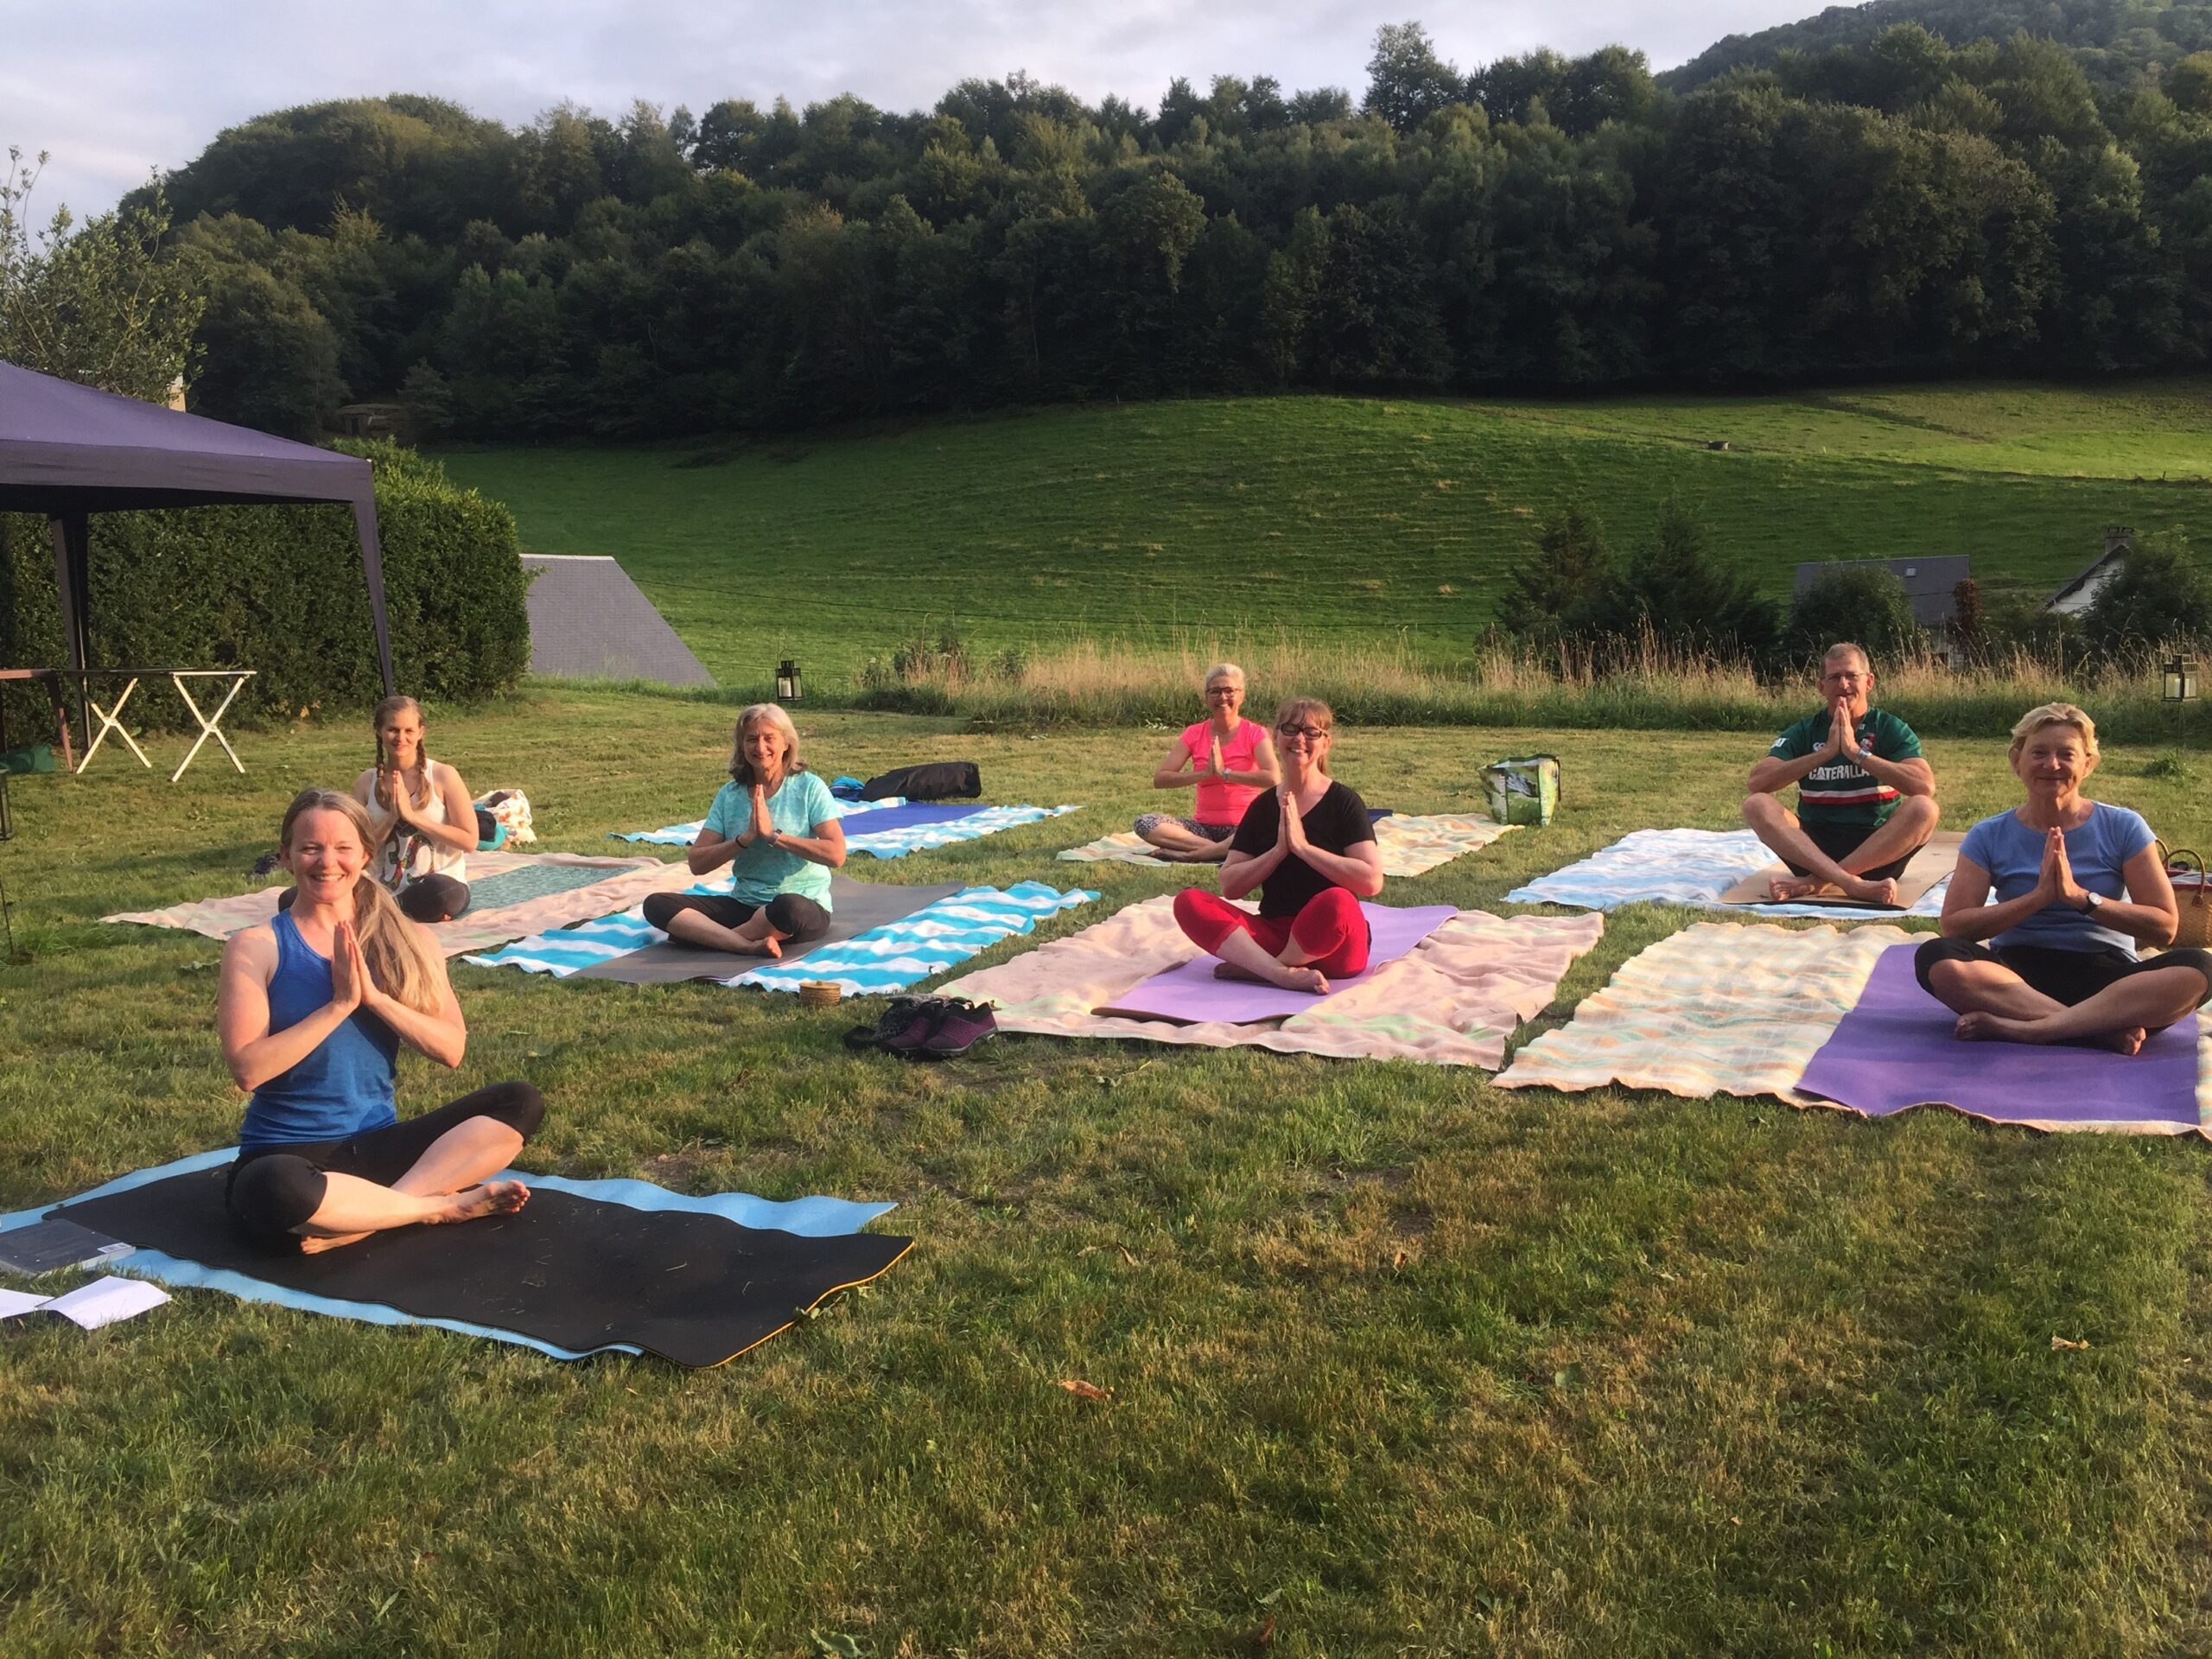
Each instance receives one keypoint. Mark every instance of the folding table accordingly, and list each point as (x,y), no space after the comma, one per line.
(210,725)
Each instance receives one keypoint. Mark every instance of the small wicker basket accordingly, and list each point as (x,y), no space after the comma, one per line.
(2193,892)
(820,993)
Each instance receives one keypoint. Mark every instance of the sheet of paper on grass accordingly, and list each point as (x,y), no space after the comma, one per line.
(1683,867)
(1452,1002)
(103,1301)
(621,882)
(1409,845)
(1719,1008)
(1931,865)
(1191,993)
(1896,1050)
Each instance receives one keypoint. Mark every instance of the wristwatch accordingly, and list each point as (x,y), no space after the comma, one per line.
(2094,902)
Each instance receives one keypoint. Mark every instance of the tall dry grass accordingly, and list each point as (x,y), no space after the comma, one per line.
(1636,684)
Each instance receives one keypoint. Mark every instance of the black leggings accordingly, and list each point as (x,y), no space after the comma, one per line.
(273,1189)
(792,917)
(2068,977)
(427,899)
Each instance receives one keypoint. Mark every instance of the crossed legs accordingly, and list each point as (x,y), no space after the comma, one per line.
(1995,1002)
(1906,831)
(1330,936)
(426,1171)
(716,923)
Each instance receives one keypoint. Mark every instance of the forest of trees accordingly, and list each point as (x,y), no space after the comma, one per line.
(1901,207)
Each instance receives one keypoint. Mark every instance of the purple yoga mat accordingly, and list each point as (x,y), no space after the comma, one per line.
(1896,1050)
(906,818)
(1190,994)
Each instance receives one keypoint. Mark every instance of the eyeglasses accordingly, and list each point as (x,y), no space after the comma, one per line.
(1311,733)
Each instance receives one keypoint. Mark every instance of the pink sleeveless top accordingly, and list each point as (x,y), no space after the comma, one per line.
(1219,803)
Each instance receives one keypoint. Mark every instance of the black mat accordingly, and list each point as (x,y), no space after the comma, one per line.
(855,907)
(575,1272)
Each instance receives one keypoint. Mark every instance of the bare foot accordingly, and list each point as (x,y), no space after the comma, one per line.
(771,946)
(1994,1028)
(1979,1027)
(1304,979)
(492,1199)
(1231,970)
(1784,888)
(1882,892)
(311,1246)
(2130,1041)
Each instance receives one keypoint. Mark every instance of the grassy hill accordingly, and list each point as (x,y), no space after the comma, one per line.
(1337,520)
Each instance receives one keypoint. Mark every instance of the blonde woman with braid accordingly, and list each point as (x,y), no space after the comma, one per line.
(312,1013)
(421,817)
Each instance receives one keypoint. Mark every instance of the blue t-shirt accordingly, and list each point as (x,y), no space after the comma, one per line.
(343,1087)
(2013,854)
(761,872)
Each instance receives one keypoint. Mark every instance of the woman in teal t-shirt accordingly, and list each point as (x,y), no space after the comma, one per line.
(776,826)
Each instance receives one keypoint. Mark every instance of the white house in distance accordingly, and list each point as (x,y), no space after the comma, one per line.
(2080,593)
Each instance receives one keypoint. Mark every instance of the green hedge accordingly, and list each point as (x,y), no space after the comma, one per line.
(279,590)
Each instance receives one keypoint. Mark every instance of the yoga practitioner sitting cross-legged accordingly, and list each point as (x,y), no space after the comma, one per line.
(1309,848)
(312,1011)
(1230,761)
(2078,884)
(1866,798)
(775,824)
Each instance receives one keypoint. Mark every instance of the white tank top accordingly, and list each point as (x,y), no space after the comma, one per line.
(405,856)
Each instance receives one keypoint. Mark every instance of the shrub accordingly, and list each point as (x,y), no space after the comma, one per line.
(1673,587)
(2159,595)
(279,590)
(1853,602)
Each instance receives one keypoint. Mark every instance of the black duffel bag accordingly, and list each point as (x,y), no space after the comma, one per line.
(938,780)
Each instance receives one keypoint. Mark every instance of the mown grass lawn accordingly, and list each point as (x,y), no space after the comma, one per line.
(1399,1362)
(1335,520)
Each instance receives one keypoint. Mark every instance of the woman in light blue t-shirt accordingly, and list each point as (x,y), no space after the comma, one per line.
(775,824)
(2078,885)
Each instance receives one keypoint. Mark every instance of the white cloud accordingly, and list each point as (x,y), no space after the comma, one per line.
(117,88)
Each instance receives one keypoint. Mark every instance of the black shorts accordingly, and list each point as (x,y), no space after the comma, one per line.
(1839,841)
(2067,976)
(791,916)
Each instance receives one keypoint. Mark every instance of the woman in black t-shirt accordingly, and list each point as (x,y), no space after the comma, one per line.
(1309,849)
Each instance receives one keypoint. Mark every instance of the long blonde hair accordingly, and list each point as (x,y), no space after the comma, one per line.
(390,945)
(419,790)
(764,714)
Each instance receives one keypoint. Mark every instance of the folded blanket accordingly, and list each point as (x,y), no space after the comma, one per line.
(1409,845)
(886,958)
(1719,1008)
(1683,866)
(1452,1002)
(623,881)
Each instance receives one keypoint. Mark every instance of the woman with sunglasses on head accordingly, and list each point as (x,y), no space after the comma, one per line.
(1231,760)
(1308,848)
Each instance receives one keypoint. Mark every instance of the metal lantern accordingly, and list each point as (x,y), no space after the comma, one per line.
(2181,679)
(787,682)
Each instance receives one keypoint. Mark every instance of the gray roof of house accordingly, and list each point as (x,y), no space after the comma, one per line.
(589,621)
(1928,582)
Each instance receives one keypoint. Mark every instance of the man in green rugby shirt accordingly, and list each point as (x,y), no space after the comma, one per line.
(1866,798)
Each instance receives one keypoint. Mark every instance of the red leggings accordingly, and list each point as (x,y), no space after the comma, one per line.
(1330,930)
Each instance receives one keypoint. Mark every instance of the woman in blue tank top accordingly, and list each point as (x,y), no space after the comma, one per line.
(2077,885)
(312,1013)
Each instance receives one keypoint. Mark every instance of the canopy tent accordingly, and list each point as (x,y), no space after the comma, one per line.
(68,451)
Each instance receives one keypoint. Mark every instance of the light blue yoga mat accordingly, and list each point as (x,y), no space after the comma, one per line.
(814,1217)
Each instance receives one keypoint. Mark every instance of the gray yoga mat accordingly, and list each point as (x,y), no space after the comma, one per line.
(854,907)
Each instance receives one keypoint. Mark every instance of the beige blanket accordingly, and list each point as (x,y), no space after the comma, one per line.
(1452,1002)
(1719,1008)
(1409,845)
(628,880)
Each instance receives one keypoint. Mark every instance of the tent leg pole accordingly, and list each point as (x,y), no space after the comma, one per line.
(72,582)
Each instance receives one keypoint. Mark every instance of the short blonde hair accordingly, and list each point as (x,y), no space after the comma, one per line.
(763,714)
(2054,713)
(1223,671)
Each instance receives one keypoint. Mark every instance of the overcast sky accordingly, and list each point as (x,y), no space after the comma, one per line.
(117,88)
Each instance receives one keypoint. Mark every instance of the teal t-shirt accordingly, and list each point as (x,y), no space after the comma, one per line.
(1841,793)
(761,872)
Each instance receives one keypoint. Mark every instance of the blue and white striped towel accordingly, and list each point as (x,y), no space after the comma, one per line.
(886,958)
(683,834)
(920,837)
(1685,867)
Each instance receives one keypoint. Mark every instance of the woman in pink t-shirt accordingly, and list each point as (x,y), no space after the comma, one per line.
(1231,760)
